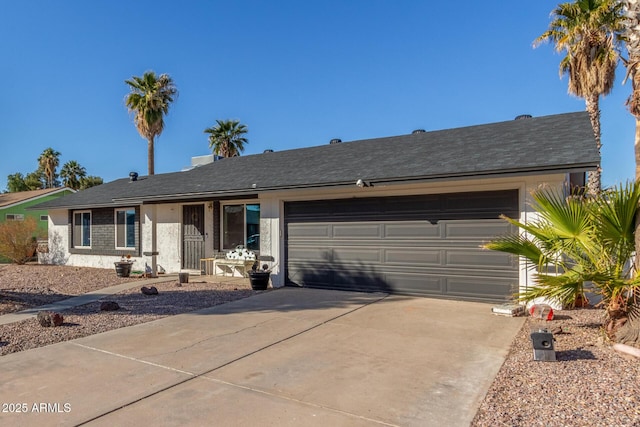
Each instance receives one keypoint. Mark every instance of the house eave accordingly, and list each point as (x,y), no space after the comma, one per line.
(253,192)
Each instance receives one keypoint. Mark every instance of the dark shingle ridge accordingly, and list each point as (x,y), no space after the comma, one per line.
(563,142)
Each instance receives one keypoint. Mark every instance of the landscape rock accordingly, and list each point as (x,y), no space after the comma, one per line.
(50,319)
(109,306)
(149,291)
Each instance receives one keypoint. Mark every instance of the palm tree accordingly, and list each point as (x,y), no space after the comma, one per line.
(72,174)
(589,32)
(226,138)
(48,162)
(578,240)
(149,101)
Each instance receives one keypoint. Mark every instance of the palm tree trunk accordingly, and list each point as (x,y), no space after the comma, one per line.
(150,156)
(594,184)
(637,154)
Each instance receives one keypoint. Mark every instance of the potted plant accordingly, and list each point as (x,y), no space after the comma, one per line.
(259,278)
(123,267)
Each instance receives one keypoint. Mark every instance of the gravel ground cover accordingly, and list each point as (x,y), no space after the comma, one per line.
(32,285)
(589,385)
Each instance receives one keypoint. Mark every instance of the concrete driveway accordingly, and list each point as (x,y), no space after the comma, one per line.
(288,357)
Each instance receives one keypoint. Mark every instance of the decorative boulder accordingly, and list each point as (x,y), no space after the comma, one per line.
(149,291)
(50,319)
(109,306)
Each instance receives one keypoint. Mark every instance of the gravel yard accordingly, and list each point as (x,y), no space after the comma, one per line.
(27,286)
(589,385)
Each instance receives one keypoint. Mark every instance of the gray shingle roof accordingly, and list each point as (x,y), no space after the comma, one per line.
(563,142)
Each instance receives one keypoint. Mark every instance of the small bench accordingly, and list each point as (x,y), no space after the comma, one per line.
(232,266)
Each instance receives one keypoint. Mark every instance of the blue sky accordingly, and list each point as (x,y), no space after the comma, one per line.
(297,73)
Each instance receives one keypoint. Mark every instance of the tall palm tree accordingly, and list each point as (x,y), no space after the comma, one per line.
(72,174)
(589,33)
(149,101)
(48,162)
(226,138)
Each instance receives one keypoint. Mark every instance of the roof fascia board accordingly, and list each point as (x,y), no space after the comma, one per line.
(243,193)
(39,196)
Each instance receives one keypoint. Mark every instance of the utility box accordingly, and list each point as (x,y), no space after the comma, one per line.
(543,349)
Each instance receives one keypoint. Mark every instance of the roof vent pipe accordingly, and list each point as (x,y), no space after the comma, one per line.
(133,176)
(523,116)
(268,150)
(419,131)
(335,141)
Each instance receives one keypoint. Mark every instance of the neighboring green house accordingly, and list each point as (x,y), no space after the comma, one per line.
(14,206)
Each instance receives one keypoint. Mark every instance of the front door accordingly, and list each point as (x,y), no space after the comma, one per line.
(192,236)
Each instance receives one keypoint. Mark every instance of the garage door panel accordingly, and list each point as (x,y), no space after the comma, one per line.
(494,289)
(489,259)
(312,253)
(306,231)
(470,229)
(413,256)
(357,231)
(369,255)
(416,283)
(411,230)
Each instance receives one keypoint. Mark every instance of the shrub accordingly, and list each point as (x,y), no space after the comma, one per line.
(19,240)
(578,240)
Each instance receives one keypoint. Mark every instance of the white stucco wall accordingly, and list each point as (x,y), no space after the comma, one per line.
(168,235)
(270,237)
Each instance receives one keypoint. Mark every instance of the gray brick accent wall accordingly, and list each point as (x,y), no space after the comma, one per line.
(103,234)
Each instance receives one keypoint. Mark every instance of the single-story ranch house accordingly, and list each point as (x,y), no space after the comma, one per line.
(405,214)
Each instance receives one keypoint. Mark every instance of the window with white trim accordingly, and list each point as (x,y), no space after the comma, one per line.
(15,217)
(241,226)
(125,228)
(82,229)
(44,218)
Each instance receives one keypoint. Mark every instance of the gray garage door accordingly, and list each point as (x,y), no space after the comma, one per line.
(420,245)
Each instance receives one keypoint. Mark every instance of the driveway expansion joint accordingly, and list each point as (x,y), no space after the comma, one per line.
(192,376)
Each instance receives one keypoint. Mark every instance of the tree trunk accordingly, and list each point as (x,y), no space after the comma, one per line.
(594,184)
(632,36)
(634,107)
(150,156)
(629,333)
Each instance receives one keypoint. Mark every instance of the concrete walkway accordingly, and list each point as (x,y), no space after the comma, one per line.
(79,300)
(289,357)
(101,293)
